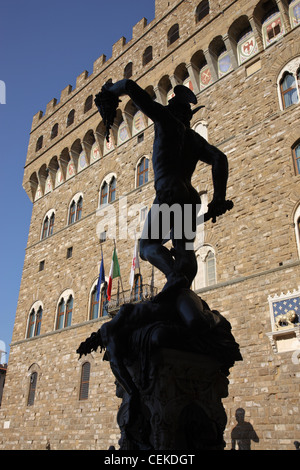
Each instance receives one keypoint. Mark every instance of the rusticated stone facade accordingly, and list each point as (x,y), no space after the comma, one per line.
(236,55)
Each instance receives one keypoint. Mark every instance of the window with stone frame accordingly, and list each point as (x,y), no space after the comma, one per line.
(173,34)
(128,70)
(210,269)
(297,227)
(64,312)
(148,55)
(98,302)
(296,158)
(88,104)
(288,89)
(108,190)
(85,381)
(75,210)
(35,321)
(288,83)
(48,224)
(142,172)
(202,10)
(32,388)
(54,131)
(39,143)
(112,189)
(207,269)
(71,117)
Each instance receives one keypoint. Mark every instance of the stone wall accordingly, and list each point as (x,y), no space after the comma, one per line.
(255,243)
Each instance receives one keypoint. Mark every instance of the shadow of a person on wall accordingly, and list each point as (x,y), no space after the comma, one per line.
(243,433)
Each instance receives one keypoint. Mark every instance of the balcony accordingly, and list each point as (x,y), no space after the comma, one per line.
(140,294)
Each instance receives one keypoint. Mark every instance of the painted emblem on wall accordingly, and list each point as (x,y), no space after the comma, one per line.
(70,169)
(273,29)
(95,154)
(108,146)
(247,47)
(82,163)
(48,186)
(295,14)
(224,64)
(188,83)
(285,310)
(138,122)
(59,177)
(205,77)
(122,133)
(38,194)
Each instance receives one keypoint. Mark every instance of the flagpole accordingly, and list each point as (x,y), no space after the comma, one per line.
(120,273)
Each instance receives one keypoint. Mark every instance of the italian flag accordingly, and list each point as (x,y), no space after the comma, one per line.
(114,272)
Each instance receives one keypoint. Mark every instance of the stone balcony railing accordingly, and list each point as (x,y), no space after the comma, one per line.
(145,292)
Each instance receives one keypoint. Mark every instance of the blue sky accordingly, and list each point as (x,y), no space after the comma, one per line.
(44,46)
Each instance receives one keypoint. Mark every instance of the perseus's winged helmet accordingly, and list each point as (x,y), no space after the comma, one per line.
(185,95)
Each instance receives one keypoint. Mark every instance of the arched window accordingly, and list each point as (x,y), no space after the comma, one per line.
(35,321)
(202,10)
(296,157)
(98,304)
(32,388)
(75,211)
(108,190)
(210,265)
(206,260)
(173,34)
(128,70)
(142,171)
(48,224)
(54,131)
(288,90)
(70,118)
(39,144)
(297,228)
(88,103)
(147,56)
(85,381)
(64,313)
(112,190)
(104,194)
(201,128)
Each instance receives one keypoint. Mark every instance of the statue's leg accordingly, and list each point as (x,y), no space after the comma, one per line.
(151,243)
(185,260)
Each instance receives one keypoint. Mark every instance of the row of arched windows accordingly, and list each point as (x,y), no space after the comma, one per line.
(79,157)
(98,307)
(108,191)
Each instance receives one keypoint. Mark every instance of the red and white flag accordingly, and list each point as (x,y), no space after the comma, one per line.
(135,264)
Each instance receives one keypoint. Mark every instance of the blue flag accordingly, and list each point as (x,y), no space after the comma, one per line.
(101,278)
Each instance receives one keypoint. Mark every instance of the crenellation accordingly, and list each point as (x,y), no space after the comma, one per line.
(50,107)
(65,94)
(139,29)
(36,119)
(118,47)
(81,79)
(98,64)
